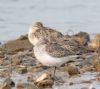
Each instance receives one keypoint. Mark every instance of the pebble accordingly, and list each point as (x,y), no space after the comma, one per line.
(72,69)
(26,86)
(7,84)
(16,60)
(22,70)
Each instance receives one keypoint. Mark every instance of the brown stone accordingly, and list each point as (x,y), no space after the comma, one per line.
(20,86)
(96,63)
(72,69)
(4,73)
(44,80)
(85,88)
(14,46)
(97,67)
(26,86)
(95,43)
(32,86)
(42,77)
(23,37)
(45,83)
(16,60)
(82,37)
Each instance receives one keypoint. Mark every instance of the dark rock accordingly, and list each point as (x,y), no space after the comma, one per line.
(10,82)
(82,37)
(14,46)
(23,37)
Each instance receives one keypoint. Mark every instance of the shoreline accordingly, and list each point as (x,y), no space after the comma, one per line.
(19,65)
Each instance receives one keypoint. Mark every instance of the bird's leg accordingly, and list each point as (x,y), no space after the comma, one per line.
(54,73)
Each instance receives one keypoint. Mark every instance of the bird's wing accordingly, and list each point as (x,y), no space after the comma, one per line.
(56,50)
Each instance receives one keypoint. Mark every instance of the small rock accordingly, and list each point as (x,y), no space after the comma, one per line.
(98,77)
(71,83)
(32,86)
(82,37)
(44,80)
(20,86)
(1,55)
(14,46)
(4,73)
(23,37)
(85,68)
(46,83)
(1,61)
(37,67)
(30,78)
(97,67)
(95,43)
(72,69)
(16,60)
(85,88)
(22,69)
(26,86)
(41,78)
(96,63)
(87,81)
(7,84)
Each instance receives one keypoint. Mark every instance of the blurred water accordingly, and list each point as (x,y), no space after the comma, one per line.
(79,15)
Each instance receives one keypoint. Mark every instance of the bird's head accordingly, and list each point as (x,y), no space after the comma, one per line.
(38,24)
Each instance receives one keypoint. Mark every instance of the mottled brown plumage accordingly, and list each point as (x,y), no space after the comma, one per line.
(57,50)
(38,31)
(52,54)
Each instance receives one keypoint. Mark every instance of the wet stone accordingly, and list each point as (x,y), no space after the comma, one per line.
(16,60)
(7,84)
(26,86)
